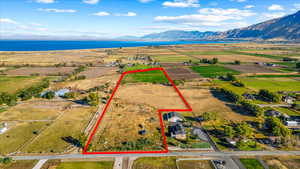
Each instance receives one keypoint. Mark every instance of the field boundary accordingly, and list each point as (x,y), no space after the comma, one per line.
(188,108)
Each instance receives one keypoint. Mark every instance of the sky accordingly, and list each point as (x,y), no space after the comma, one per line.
(115,18)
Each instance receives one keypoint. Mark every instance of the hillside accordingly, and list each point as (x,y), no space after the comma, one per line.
(181,35)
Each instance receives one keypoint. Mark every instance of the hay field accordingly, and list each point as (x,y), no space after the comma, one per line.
(45,71)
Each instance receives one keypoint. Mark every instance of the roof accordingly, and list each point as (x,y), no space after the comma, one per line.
(172,114)
(61,92)
(176,128)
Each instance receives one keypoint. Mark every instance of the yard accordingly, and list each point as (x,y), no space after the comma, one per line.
(155,163)
(213,71)
(12,84)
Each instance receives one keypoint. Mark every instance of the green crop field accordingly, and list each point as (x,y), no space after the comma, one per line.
(12,84)
(272,84)
(274,76)
(155,76)
(251,163)
(86,165)
(213,70)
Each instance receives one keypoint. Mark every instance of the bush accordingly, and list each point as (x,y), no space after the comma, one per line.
(92,99)
(251,108)
(237,62)
(6,160)
(268,96)
(208,116)
(7,99)
(49,95)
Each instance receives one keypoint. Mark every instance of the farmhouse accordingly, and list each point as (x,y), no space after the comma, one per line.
(176,130)
(288,99)
(173,117)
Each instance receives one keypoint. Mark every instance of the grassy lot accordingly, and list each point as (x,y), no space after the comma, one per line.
(12,84)
(155,163)
(229,86)
(213,71)
(18,135)
(287,111)
(155,76)
(172,58)
(86,165)
(69,125)
(275,76)
(250,163)
(202,164)
(257,55)
(272,84)
(28,164)
(282,162)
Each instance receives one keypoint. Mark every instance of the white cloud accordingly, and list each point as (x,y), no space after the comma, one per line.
(126,14)
(57,10)
(208,17)
(249,6)
(266,16)
(145,1)
(182,3)
(297,6)
(102,14)
(45,1)
(275,7)
(7,20)
(90,1)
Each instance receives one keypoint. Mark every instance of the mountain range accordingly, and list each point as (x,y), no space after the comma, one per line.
(284,28)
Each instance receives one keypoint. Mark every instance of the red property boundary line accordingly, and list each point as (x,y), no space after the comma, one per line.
(189,108)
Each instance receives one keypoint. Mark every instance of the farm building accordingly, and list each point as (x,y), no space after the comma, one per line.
(173,117)
(293,121)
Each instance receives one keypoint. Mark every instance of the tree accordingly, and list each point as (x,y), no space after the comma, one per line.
(70,95)
(298,65)
(6,160)
(269,96)
(208,116)
(251,108)
(214,61)
(231,77)
(49,95)
(277,128)
(237,62)
(244,130)
(228,131)
(92,99)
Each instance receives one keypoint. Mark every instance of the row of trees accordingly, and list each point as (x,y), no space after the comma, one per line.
(212,61)
(33,91)
(242,130)
(266,95)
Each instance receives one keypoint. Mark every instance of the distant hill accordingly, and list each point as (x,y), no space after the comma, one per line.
(181,35)
(287,27)
(284,28)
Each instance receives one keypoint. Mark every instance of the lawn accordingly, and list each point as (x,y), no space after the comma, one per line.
(213,71)
(26,164)
(201,164)
(272,84)
(155,76)
(86,165)
(250,163)
(12,84)
(155,163)
(18,135)
(257,55)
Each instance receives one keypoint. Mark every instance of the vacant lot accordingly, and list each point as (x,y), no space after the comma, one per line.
(12,84)
(19,134)
(86,165)
(250,163)
(250,68)
(26,164)
(201,164)
(155,163)
(94,72)
(55,138)
(34,110)
(272,84)
(181,74)
(283,162)
(213,71)
(27,71)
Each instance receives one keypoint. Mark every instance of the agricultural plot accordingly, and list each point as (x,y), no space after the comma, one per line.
(44,71)
(250,68)
(181,74)
(26,164)
(86,165)
(291,162)
(213,71)
(94,72)
(18,83)
(272,84)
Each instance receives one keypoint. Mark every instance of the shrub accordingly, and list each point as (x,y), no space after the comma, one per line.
(49,95)
(268,96)
(251,108)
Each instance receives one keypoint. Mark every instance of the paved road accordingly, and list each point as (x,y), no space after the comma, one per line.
(118,163)
(180,154)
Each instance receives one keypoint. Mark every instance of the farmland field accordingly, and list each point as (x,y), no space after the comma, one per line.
(160,163)
(213,71)
(154,76)
(272,84)
(86,165)
(18,83)
(45,71)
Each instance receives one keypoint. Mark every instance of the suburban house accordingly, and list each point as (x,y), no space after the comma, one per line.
(176,130)
(3,128)
(293,121)
(273,113)
(288,99)
(173,117)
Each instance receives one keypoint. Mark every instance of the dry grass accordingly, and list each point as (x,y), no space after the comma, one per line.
(27,71)
(94,72)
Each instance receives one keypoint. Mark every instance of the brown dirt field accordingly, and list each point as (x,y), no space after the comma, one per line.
(45,58)
(94,72)
(201,164)
(250,68)
(27,71)
(283,162)
(87,83)
(158,96)
(121,124)
(181,74)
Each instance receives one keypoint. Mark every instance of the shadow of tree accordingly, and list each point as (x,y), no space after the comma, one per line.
(73,141)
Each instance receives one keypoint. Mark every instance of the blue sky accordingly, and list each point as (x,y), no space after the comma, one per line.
(114,18)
